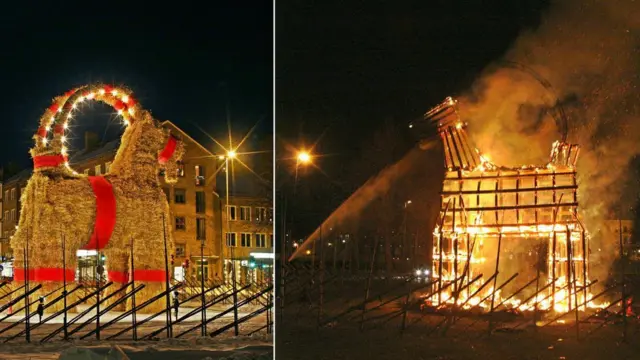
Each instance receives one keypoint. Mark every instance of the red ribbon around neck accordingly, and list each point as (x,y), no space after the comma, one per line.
(168,150)
(105,213)
(48,161)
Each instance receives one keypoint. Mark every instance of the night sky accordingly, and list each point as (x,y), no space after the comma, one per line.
(345,69)
(180,62)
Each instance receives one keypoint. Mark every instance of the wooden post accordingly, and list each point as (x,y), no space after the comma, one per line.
(64,287)
(366,294)
(495,279)
(166,280)
(26,289)
(133,298)
(553,270)
(623,280)
(321,302)
(203,313)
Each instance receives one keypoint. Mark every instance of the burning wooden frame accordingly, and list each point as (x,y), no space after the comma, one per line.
(526,215)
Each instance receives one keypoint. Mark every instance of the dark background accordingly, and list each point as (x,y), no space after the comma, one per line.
(182,60)
(351,75)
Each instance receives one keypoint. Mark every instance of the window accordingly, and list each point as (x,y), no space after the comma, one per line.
(13,194)
(245,213)
(245,239)
(200,202)
(180,170)
(231,212)
(13,214)
(6,215)
(180,250)
(231,239)
(202,268)
(98,170)
(261,240)
(86,171)
(180,196)
(181,223)
(200,177)
(261,214)
(201,230)
(6,195)
(167,193)
(107,167)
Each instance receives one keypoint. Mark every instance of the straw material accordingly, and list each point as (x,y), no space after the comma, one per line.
(59,202)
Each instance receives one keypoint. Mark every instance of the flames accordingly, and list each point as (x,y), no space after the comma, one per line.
(500,227)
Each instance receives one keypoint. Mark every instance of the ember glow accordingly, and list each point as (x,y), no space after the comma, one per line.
(500,227)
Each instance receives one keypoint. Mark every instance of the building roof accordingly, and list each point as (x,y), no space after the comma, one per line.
(22,175)
(108,148)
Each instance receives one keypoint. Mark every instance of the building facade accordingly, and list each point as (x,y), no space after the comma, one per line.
(247,223)
(12,189)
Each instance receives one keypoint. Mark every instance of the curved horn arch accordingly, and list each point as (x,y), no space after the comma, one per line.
(560,115)
(50,150)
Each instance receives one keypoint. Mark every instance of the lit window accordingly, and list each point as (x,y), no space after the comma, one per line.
(86,171)
(107,167)
(13,214)
(98,170)
(231,239)
(13,194)
(180,170)
(245,239)
(200,175)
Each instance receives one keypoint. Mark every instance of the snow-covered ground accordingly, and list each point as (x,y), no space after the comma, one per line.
(243,347)
(190,346)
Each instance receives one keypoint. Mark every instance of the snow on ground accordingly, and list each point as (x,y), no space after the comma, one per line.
(191,346)
(240,348)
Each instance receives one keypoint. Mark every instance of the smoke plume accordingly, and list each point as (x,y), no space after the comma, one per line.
(589,51)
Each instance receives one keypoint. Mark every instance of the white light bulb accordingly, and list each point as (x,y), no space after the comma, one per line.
(60,110)
(64,151)
(81,99)
(91,96)
(66,125)
(64,138)
(101,91)
(69,116)
(131,111)
(74,106)
(120,112)
(114,92)
(44,141)
(125,98)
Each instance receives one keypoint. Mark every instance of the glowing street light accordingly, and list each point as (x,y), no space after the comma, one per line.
(304,157)
(231,154)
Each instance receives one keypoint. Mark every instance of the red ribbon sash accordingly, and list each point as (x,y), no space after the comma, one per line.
(118,276)
(47,161)
(168,150)
(149,275)
(105,213)
(45,274)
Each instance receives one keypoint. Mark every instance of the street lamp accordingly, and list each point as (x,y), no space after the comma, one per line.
(303,157)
